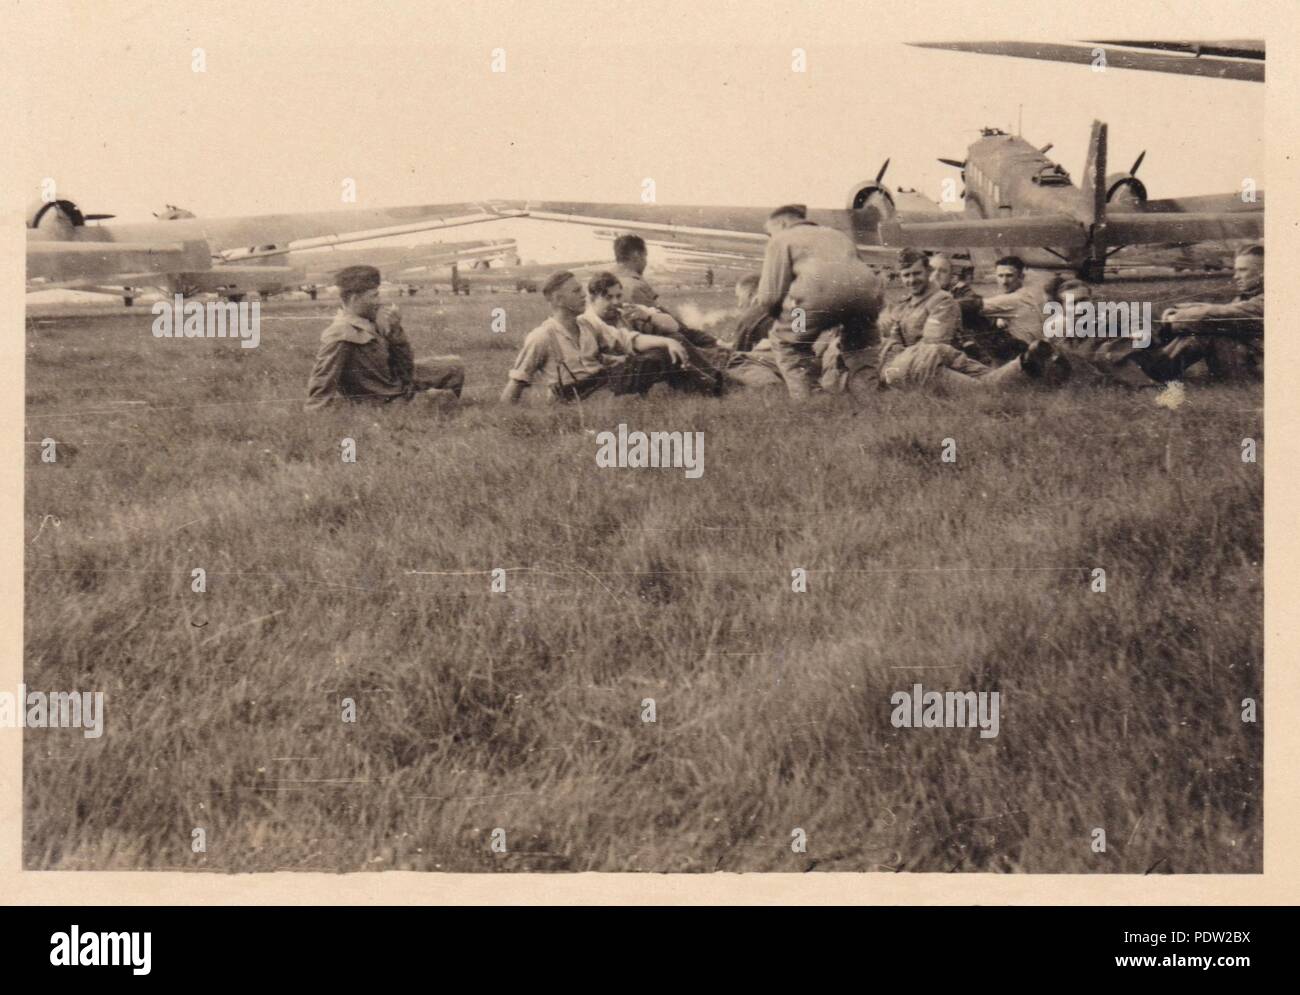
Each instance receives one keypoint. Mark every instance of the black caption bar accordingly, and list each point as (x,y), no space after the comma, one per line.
(141,945)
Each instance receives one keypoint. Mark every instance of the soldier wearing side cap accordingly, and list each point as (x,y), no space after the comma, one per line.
(365,356)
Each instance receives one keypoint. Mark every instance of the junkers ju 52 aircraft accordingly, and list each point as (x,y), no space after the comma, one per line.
(178,249)
(1015,200)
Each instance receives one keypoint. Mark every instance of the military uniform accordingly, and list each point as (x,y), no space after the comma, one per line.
(919,347)
(1228,337)
(920,331)
(818,289)
(372,362)
(979,338)
(752,363)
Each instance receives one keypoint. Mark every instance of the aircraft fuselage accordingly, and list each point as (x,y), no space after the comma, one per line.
(1007,177)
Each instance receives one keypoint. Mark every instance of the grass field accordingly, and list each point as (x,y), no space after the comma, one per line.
(523,710)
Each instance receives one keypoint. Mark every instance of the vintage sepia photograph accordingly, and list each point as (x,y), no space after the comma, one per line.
(612,439)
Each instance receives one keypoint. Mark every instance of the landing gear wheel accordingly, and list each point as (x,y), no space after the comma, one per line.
(1093,270)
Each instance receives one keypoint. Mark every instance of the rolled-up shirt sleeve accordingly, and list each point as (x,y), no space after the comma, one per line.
(613,337)
(1002,305)
(663,323)
(531,360)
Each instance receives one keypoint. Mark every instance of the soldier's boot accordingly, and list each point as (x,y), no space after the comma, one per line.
(1044,363)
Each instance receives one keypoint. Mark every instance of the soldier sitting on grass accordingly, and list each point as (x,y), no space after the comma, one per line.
(577,351)
(365,357)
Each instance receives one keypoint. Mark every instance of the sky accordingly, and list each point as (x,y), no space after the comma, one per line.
(595,98)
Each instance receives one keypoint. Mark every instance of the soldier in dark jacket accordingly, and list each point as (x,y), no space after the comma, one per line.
(365,356)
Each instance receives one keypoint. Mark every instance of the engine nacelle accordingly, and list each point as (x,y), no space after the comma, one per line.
(869,193)
(54,215)
(1125,189)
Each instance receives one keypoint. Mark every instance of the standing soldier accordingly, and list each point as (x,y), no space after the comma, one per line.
(365,356)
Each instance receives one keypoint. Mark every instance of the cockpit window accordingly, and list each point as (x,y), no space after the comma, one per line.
(1052,176)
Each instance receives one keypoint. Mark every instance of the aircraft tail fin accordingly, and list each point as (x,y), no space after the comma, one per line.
(1094,176)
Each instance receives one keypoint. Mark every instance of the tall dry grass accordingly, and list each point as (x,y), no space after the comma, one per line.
(523,710)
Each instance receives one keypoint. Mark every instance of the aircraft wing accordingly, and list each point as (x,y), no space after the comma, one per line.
(1227,203)
(532,270)
(690,254)
(1138,228)
(1241,60)
(725,229)
(445,260)
(62,261)
(176,245)
(1059,231)
(713,243)
(394,261)
(729,224)
(295,233)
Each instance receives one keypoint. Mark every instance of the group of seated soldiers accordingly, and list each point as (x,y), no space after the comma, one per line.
(813,320)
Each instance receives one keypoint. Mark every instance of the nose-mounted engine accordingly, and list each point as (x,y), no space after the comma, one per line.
(1125,189)
(872,194)
(59,216)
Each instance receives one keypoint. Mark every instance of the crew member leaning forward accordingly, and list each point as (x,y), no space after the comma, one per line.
(824,298)
(365,356)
